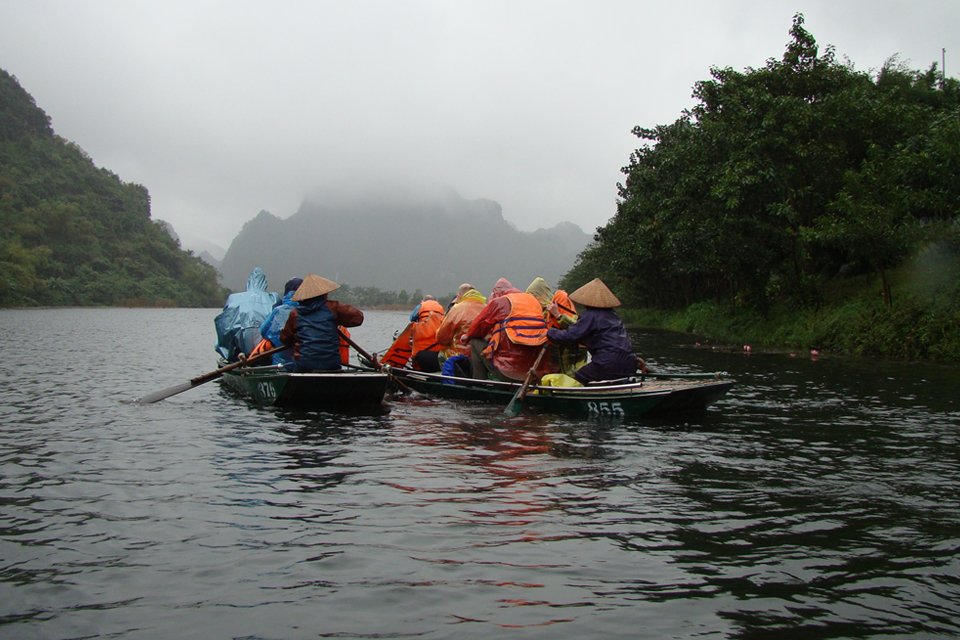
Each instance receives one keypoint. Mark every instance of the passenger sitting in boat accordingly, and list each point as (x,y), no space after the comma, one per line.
(557,307)
(506,337)
(603,333)
(462,289)
(312,327)
(559,313)
(466,307)
(238,325)
(273,324)
(426,319)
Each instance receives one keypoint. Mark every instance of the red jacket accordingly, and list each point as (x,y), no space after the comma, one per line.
(511,358)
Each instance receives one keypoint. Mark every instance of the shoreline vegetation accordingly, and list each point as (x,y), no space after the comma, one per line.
(923,323)
(801,205)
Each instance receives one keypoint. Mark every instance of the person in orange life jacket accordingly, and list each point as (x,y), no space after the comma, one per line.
(559,313)
(312,327)
(603,333)
(426,319)
(462,289)
(466,307)
(506,336)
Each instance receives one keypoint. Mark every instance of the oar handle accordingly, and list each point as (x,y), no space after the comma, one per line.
(532,372)
(359,349)
(235,365)
(516,402)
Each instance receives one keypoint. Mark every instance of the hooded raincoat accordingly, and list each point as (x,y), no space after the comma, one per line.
(456,323)
(273,325)
(238,325)
(514,328)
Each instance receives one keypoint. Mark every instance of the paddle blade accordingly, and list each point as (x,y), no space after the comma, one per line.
(515,406)
(516,402)
(157,396)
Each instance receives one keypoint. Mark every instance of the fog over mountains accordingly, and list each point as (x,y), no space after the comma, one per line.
(398,240)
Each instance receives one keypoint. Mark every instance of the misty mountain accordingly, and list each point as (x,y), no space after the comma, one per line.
(207,251)
(204,249)
(210,259)
(395,240)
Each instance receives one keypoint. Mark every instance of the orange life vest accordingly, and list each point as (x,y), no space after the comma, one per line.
(344,347)
(429,319)
(524,324)
(563,302)
(263,345)
(398,354)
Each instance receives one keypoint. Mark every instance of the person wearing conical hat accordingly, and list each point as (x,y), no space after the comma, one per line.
(312,326)
(601,330)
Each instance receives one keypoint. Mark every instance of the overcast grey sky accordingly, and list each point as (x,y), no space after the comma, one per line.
(224,108)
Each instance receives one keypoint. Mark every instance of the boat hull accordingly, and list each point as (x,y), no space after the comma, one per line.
(266,386)
(642,397)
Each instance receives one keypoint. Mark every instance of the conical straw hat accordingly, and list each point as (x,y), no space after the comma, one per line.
(595,294)
(313,286)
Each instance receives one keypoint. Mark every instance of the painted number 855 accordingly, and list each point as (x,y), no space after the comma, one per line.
(605,409)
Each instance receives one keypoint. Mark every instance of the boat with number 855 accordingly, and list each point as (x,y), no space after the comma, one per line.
(631,397)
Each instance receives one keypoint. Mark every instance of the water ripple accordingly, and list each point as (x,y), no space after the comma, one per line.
(819,500)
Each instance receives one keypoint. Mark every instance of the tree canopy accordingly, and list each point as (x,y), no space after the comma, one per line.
(75,234)
(780,179)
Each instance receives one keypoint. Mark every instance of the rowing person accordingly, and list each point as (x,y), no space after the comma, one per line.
(602,331)
(312,326)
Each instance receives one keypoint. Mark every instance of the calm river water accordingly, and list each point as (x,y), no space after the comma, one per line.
(821,499)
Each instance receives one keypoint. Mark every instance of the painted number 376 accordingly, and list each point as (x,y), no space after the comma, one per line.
(605,409)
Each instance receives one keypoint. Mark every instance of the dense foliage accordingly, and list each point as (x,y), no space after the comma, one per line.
(73,234)
(781,181)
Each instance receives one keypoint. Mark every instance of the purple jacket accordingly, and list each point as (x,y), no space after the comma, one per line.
(605,337)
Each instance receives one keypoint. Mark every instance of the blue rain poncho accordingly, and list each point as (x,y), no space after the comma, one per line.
(273,325)
(238,325)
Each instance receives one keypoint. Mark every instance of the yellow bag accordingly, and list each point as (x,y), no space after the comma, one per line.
(558,380)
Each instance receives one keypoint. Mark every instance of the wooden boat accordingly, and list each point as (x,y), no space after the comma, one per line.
(649,394)
(346,389)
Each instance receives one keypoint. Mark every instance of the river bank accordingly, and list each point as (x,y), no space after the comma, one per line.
(922,324)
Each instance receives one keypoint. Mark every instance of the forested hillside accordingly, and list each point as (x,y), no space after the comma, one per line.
(784,183)
(74,234)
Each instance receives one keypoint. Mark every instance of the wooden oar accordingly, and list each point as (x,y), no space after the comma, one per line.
(372,360)
(359,349)
(516,402)
(206,377)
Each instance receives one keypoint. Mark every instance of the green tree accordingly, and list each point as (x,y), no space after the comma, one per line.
(777,180)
